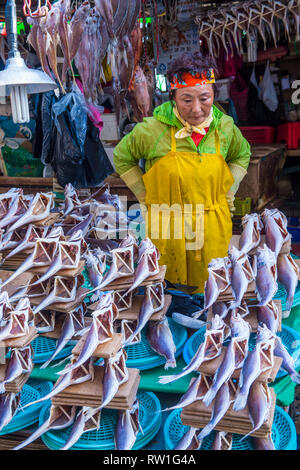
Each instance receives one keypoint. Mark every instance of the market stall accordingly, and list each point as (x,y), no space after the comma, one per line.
(95,354)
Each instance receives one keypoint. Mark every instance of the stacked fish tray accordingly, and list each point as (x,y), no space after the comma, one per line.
(18,331)
(241,353)
(101,320)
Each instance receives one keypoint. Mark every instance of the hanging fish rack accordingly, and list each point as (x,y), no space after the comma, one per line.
(260,20)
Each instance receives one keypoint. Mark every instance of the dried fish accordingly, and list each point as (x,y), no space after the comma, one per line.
(87,419)
(127,428)
(20,362)
(251,235)
(217,282)
(189,440)
(275,224)
(288,272)
(16,326)
(259,360)
(269,314)
(115,374)
(79,375)
(44,321)
(208,350)
(9,404)
(95,266)
(61,417)
(259,403)
(128,328)
(28,240)
(234,357)
(100,331)
(38,209)
(148,257)
(161,340)
(242,274)
(220,407)
(288,362)
(196,391)
(266,278)
(74,325)
(60,290)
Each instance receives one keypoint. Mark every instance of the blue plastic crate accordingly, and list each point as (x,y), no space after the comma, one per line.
(149,418)
(44,347)
(142,356)
(284,433)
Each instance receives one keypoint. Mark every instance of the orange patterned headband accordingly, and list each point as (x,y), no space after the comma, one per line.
(193,79)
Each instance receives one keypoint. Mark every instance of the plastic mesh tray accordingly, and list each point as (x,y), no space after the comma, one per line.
(44,347)
(32,391)
(149,417)
(284,433)
(289,338)
(142,356)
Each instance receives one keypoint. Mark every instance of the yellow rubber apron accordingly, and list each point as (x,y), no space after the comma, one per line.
(188,217)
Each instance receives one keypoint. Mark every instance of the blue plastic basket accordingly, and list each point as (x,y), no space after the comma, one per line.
(289,337)
(32,391)
(149,417)
(142,356)
(44,347)
(284,433)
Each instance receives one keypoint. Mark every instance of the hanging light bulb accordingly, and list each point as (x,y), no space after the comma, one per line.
(17,80)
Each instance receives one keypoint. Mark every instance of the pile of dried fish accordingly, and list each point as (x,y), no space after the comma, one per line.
(87,35)
(265,18)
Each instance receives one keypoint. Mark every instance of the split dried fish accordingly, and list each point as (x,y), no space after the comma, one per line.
(259,360)
(259,403)
(127,428)
(288,362)
(74,325)
(242,274)
(148,257)
(121,266)
(39,208)
(275,223)
(161,340)
(16,326)
(60,290)
(288,272)
(95,266)
(44,321)
(197,390)
(42,255)
(220,407)
(28,240)
(218,281)
(128,328)
(189,440)
(115,374)
(81,374)
(20,362)
(146,311)
(9,405)
(67,256)
(251,235)
(269,314)
(208,350)
(100,331)
(266,277)
(236,352)
(61,417)
(87,419)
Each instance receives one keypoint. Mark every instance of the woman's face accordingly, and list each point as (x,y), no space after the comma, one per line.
(194,103)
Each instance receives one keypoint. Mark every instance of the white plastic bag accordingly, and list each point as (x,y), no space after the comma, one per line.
(268,92)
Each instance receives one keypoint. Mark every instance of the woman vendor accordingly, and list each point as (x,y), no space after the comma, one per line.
(195,159)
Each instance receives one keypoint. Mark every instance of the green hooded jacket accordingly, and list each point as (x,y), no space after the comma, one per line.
(151,140)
